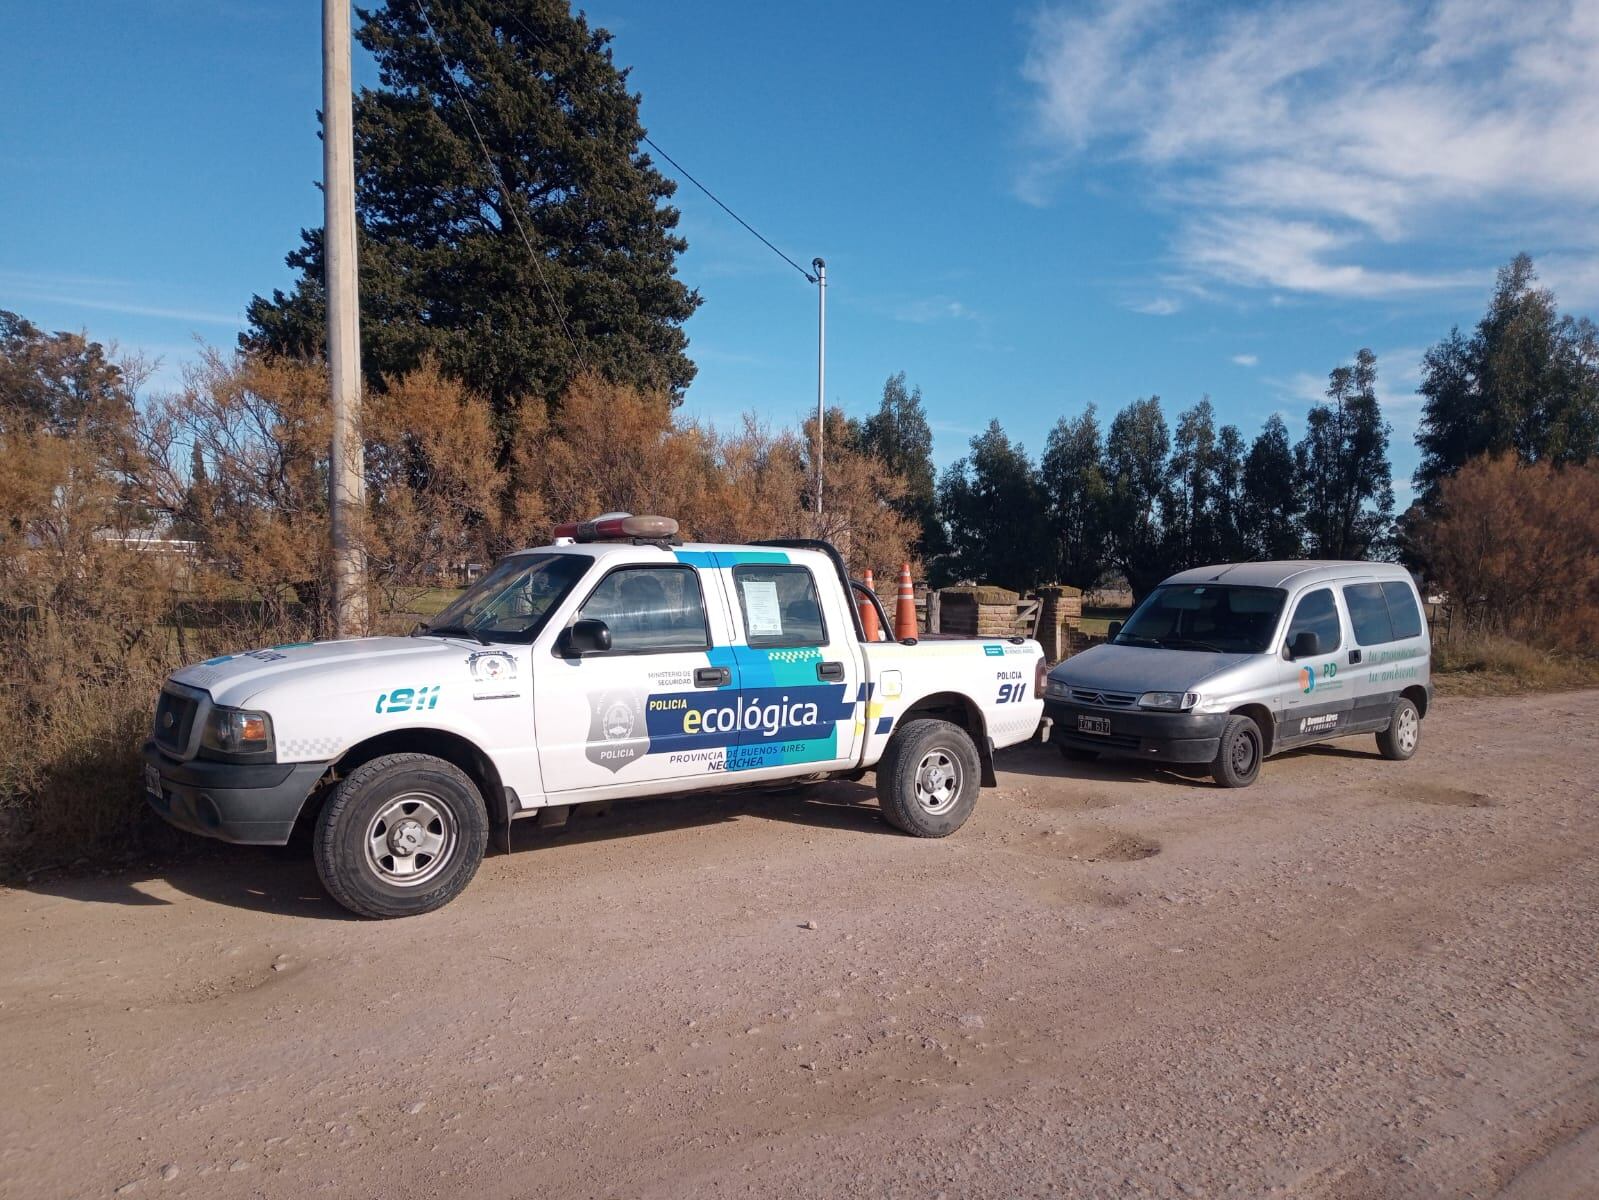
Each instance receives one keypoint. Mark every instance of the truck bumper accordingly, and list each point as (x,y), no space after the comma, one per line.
(254,804)
(1138,733)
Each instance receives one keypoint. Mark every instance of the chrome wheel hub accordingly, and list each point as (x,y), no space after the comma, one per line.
(410,839)
(938,782)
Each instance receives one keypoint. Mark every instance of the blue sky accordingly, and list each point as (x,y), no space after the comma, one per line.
(1026,209)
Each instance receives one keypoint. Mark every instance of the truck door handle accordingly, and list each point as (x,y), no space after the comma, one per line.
(1354,657)
(830,670)
(712,676)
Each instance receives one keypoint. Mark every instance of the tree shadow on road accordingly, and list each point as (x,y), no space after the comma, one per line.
(838,805)
(1046,761)
(260,878)
(283,881)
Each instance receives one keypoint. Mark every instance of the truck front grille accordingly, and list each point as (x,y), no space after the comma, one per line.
(174,721)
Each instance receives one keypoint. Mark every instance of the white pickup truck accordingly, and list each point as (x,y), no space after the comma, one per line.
(617,663)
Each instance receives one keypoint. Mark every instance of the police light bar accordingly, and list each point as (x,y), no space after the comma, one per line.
(618,528)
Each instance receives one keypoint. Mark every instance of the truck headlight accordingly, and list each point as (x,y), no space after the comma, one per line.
(1169,701)
(238,734)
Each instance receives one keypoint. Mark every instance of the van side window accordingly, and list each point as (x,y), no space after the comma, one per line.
(1402,609)
(651,610)
(780,606)
(1317,612)
(1368,613)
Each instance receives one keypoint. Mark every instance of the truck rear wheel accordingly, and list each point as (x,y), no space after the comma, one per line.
(401,835)
(927,782)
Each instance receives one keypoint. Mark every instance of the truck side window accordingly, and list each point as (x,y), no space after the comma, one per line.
(780,606)
(1402,609)
(1318,613)
(651,610)
(1368,613)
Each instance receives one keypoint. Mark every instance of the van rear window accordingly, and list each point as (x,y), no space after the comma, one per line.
(1382,612)
(1402,609)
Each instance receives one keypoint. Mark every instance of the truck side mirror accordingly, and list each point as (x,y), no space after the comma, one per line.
(1112,630)
(588,636)
(1305,645)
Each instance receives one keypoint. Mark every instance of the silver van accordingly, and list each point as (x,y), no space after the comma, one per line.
(1228,665)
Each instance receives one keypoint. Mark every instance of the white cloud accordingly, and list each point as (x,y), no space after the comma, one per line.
(107,295)
(1160,306)
(1311,147)
(933,308)
(1246,360)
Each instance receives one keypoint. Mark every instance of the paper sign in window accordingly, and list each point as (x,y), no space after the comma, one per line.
(762,613)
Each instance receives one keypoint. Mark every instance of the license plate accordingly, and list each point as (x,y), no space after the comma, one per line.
(1093,724)
(152,780)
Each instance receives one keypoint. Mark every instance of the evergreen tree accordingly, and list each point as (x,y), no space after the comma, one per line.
(1072,475)
(1135,463)
(1271,501)
(898,434)
(1190,501)
(993,508)
(1526,381)
(516,268)
(1227,492)
(1343,463)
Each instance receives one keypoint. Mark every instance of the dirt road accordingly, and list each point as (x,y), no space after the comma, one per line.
(1355,979)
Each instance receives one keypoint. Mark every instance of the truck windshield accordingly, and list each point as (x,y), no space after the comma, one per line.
(1205,617)
(512,602)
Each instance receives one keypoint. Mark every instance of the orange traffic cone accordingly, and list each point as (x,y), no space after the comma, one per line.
(905,609)
(869,622)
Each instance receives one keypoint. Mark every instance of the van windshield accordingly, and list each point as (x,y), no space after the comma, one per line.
(1205,617)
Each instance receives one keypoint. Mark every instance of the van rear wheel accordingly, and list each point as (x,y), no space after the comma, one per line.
(1238,754)
(1399,741)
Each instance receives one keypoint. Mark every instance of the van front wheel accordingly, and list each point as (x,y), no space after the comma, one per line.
(1238,756)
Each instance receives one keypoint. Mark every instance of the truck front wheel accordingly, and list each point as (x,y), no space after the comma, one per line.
(927,782)
(401,835)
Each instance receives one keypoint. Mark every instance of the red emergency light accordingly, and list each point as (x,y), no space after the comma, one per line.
(615,527)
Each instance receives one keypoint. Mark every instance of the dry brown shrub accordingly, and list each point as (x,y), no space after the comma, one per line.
(1516,550)
(614,448)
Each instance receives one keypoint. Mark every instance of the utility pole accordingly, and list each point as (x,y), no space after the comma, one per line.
(347,460)
(821,377)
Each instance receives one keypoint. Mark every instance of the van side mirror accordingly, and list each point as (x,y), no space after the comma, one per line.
(588,636)
(1112,630)
(1305,645)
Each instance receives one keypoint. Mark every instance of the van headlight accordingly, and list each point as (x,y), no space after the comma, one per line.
(1169,701)
(1054,689)
(238,735)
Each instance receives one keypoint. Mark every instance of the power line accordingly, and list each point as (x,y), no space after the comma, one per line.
(809,278)
(648,141)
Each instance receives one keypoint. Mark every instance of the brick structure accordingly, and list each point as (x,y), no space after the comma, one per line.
(980,611)
(1061,618)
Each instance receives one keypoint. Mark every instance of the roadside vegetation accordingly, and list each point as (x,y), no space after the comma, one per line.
(508,391)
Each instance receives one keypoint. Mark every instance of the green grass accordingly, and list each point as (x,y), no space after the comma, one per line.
(432,601)
(1096,621)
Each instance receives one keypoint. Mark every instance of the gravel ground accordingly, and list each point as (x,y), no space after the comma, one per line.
(1355,979)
